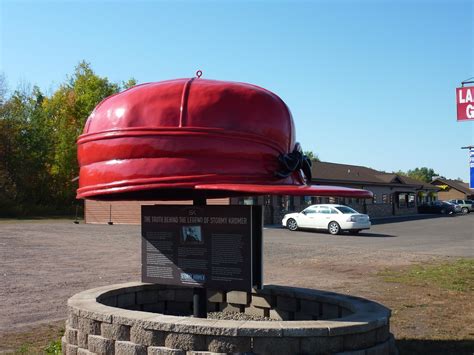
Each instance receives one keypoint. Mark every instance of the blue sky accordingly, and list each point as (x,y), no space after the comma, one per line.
(368,82)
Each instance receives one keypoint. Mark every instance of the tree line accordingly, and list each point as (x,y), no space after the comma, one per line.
(38,135)
(423,174)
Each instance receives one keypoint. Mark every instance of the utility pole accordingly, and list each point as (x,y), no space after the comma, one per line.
(471,165)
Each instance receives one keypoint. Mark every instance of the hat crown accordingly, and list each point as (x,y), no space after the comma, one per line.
(197,103)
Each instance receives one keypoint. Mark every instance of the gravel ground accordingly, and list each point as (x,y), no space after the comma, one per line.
(236,316)
(44,262)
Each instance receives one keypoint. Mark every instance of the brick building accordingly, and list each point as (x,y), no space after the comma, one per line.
(453,189)
(394,194)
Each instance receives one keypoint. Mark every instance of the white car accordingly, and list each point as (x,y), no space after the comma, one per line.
(334,218)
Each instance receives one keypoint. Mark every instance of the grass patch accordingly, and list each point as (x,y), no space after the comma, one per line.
(53,348)
(24,349)
(453,276)
(42,339)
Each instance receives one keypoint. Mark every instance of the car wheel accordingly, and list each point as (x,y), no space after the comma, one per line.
(291,224)
(465,210)
(334,228)
(354,231)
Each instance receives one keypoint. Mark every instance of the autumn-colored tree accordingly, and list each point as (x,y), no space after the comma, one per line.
(38,136)
(67,111)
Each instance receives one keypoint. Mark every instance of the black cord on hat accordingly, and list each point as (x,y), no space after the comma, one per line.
(294,161)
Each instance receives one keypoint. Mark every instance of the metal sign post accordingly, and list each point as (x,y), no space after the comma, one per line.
(471,165)
(199,293)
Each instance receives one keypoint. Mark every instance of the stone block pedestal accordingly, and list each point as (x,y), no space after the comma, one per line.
(117,319)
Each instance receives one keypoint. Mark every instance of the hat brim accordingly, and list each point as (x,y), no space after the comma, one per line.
(304,190)
(178,192)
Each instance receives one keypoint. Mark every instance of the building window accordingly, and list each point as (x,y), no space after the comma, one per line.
(284,202)
(411,200)
(267,200)
(384,198)
(291,203)
(306,200)
(402,200)
(280,202)
(249,201)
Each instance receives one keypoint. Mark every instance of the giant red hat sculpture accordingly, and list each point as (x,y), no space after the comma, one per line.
(183,138)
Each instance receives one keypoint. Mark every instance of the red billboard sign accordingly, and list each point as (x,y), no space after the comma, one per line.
(465,103)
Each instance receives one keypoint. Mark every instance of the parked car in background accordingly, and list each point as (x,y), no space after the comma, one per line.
(441,207)
(331,217)
(466,205)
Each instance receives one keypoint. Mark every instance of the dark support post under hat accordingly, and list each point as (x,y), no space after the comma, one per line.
(199,293)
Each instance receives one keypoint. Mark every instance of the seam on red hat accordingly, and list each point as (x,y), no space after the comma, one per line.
(183,108)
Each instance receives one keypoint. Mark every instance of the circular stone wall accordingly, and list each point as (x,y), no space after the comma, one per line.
(138,318)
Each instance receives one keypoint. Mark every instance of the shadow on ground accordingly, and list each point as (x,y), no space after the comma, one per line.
(373,235)
(347,234)
(435,347)
(417,217)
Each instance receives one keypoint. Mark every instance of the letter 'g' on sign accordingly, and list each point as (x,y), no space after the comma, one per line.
(465,103)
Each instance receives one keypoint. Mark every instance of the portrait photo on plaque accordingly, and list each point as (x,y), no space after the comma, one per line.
(191,235)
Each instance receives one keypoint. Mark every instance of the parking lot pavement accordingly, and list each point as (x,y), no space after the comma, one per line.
(43,263)
(435,235)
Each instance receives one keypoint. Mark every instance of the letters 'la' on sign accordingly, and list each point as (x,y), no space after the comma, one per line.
(465,103)
(218,247)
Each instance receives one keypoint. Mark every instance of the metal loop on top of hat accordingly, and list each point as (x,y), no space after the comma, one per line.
(199,74)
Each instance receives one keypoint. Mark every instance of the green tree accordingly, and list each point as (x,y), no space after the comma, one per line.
(3,89)
(129,83)
(312,156)
(25,147)
(423,174)
(67,110)
(7,186)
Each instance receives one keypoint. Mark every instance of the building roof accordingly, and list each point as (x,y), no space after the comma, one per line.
(454,184)
(343,173)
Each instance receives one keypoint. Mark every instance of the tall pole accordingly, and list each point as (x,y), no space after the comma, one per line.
(76,221)
(110,215)
(471,166)
(199,293)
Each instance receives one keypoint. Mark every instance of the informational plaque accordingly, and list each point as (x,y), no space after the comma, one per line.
(202,246)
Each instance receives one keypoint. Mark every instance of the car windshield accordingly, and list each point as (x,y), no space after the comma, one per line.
(345,209)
